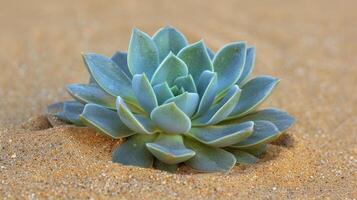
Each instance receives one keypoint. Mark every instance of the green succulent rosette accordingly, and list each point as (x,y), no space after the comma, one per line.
(175,102)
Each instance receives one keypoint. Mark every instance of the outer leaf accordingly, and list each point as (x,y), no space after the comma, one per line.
(221,110)
(165,167)
(120,58)
(210,53)
(254,92)
(170,149)
(72,110)
(171,68)
(282,120)
(134,151)
(109,76)
(209,159)
(144,92)
(137,123)
(256,150)
(91,93)
(167,40)
(206,90)
(228,64)
(187,102)
(143,56)
(105,121)
(196,58)
(243,157)
(264,132)
(163,92)
(187,83)
(248,66)
(222,136)
(171,119)
(56,109)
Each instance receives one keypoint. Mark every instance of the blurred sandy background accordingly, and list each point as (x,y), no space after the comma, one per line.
(310,45)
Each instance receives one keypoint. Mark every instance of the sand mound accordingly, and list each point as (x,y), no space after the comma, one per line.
(76,162)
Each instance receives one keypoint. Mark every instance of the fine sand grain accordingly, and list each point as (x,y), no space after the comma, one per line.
(310,45)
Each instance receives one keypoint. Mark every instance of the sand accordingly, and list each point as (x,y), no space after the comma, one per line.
(311,46)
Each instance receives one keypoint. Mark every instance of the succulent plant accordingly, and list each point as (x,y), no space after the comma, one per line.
(175,102)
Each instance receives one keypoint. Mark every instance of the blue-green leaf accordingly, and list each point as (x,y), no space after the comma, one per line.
(165,167)
(282,120)
(186,82)
(171,119)
(168,39)
(120,58)
(109,76)
(163,92)
(105,121)
(256,150)
(209,159)
(56,109)
(72,110)
(171,68)
(91,93)
(170,149)
(248,66)
(264,132)
(254,92)
(144,92)
(143,56)
(134,152)
(228,64)
(206,90)
(210,53)
(220,111)
(243,157)
(222,135)
(196,58)
(138,123)
(187,102)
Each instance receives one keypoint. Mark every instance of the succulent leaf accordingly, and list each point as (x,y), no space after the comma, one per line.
(134,152)
(168,39)
(143,56)
(105,121)
(121,59)
(220,111)
(222,136)
(171,119)
(165,167)
(196,58)
(209,159)
(264,132)
(91,93)
(243,157)
(282,120)
(256,150)
(72,110)
(163,92)
(144,92)
(254,92)
(248,66)
(170,149)
(228,64)
(187,83)
(210,53)
(109,76)
(138,123)
(170,68)
(186,101)
(206,91)
(56,109)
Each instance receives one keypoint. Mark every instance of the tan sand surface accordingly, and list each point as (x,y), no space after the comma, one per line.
(310,45)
